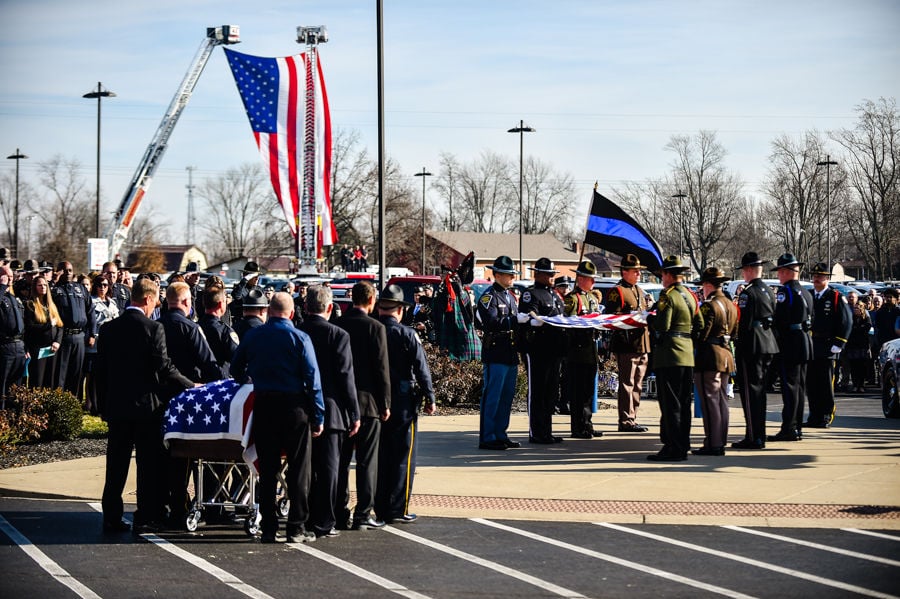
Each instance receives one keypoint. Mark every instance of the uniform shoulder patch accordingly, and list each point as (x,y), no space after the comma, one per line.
(612,295)
(779,297)
(526,297)
(662,301)
(706,308)
(486,299)
(234,337)
(742,300)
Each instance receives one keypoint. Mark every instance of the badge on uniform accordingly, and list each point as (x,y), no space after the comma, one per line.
(234,337)
(486,300)
(779,297)
(742,300)
(526,297)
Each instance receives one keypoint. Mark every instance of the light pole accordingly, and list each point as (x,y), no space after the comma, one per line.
(17,157)
(423,174)
(521,130)
(680,197)
(827,163)
(99,94)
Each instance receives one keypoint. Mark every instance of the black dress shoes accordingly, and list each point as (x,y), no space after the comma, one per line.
(819,424)
(328,533)
(545,440)
(709,451)
(404,519)
(116,527)
(748,444)
(667,457)
(510,444)
(785,436)
(632,428)
(369,523)
(495,445)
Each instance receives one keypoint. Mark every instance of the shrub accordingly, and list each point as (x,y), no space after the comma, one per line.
(23,420)
(93,427)
(43,414)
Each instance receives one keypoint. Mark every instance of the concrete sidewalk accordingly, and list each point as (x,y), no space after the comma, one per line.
(845,476)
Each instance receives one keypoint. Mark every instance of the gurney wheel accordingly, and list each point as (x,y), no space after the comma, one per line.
(251,523)
(283,507)
(192,521)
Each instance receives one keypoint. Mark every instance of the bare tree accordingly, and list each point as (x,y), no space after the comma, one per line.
(66,212)
(547,201)
(873,169)
(447,186)
(353,181)
(27,198)
(486,195)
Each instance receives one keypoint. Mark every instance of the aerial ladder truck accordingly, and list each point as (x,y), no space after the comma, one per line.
(127,210)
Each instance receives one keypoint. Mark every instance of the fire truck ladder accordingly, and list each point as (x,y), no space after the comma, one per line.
(143,176)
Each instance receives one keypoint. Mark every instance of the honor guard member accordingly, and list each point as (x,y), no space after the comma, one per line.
(76,309)
(253,312)
(22,285)
(677,316)
(713,361)
(831,324)
(222,339)
(755,347)
(581,353)
(410,387)
(249,277)
(631,346)
(793,322)
(117,291)
(12,328)
(499,320)
(544,346)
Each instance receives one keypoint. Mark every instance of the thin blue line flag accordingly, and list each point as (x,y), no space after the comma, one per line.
(611,228)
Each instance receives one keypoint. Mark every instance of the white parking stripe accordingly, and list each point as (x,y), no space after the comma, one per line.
(866,556)
(616,560)
(517,574)
(872,534)
(41,558)
(752,562)
(357,571)
(208,567)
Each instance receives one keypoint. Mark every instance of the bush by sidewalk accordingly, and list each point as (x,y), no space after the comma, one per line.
(37,414)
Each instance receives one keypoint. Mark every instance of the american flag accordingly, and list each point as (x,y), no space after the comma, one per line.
(598,321)
(274,94)
(215,411)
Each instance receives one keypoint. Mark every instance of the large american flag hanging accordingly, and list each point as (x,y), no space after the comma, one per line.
(274,94)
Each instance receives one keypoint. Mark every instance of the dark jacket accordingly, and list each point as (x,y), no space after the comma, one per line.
(496,312)
(368,342)
(545,340)
(335,359)
(222,339)
(793,321)
(409,369)
(756,334)
(832,322)
(188,348)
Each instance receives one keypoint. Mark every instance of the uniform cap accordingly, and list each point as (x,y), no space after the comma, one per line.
(750,259)
(505,265)
(821,269)
(391,297)
(544,265)
(192,267)
(586,268)
(29,267)
(631,261)
(673,265)
(562,281)
(714,275)
(251,267)
(786,261)
(255,298)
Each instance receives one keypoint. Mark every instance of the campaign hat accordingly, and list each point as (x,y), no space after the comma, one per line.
(16,265)
(391,297)
(251,267)
(255,298)
(563,281)
(821,269)
(714,275)
(673,265)
(192,267)
(544,265)
(504,264)
(29,267)
(586,268)
(750,259)
(631,261)
(786,260)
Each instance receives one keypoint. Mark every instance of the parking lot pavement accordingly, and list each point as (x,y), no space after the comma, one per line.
(53,548)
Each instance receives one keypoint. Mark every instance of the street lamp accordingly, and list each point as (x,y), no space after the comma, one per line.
(521,130)
(423,174)
(17,157)
(99,94)
(680,197)
(828,163)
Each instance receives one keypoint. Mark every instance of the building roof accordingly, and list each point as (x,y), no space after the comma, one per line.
(488,246)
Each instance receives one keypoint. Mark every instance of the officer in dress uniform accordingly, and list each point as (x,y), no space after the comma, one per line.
(499,320)
(581,353)
(544,346)
(832,321)
(222,339)
(22,285)
(253,312)
(793,322)
(76,310)
(755,347)
(677,317)
(632,347)
(714,362)
(249,276)
(12,327)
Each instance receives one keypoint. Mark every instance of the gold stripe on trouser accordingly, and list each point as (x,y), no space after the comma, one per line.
(412,443)
(834,403)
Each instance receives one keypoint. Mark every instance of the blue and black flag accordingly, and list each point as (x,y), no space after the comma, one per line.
(610,228)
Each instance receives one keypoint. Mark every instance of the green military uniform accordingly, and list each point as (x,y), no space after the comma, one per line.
(581,359)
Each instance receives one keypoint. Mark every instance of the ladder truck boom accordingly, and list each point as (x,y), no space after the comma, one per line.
(143,176)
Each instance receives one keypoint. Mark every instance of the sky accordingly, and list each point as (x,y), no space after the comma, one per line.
(605,84)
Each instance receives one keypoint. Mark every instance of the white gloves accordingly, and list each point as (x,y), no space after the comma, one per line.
(537,322)
(522,317)
(835,349)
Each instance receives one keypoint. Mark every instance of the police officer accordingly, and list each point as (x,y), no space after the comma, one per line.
(793,321)
(253,312)
(632,346)
(12,327)
(754,348)
(249,277)
(76,310)
(714,362)
(831,324)
(222,339)
(581,353)
(22,285)
(677,316)
(544,346)
(499,318)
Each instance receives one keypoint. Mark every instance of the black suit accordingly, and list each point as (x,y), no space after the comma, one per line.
(134,379)
(832,321)
(755,346)
(333,354)
(368,340)
(793,321)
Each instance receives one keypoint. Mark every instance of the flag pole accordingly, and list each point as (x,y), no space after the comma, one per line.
(586,219)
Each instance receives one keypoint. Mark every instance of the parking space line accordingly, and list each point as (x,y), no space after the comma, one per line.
(870,533)
(752,562)
(44,561)
(208,567)
(616,560)
(847,552)
(500,568)
(358,571)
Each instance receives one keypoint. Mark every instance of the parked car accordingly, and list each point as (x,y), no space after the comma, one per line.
(409,284)
(889,363)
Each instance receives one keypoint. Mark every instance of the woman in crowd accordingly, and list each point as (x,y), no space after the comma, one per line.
(105,309)
(857,350)
(43,330)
